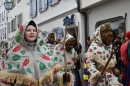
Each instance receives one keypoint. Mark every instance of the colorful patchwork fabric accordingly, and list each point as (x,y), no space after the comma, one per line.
(28,67)
(97,56)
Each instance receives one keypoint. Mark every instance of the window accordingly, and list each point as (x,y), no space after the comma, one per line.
(43,5)
(33,8)
(53,2)
(5,33)
(4,14)
(13,24)
(117,25)
(58,33)
(0,17)
(9,27)
(19,20)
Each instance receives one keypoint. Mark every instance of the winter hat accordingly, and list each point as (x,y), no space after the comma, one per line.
(32,23)
(128,34)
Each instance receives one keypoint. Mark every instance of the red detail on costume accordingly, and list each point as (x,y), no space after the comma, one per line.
(5,82)
(26,61)
(17,48)
(68,63)
(100,45)
(104,58)
(31,84)
(45,57)
(97,34)
(3,65)
(21,28)
(55,72)
(99,52)
(109,76)
(61,48)
(101,81)
(73,59)
(90,50)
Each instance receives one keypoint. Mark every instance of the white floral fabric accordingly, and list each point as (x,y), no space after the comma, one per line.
(30,61)
(97,56)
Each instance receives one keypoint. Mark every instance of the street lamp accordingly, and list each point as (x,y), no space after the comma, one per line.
(8,5)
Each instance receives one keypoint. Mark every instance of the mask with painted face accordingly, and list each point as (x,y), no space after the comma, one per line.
(70,44)
(106,34)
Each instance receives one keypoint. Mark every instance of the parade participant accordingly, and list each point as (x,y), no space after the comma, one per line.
(89,41)
(98,55)
(50,44)
(78,49)
(125,57)
(70,57)
(28,62)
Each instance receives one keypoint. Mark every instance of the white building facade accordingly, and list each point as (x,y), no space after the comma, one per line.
(53,15)
(18,14)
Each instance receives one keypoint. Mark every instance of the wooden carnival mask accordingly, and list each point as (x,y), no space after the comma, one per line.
(70,44)
(51,38)
(106,34)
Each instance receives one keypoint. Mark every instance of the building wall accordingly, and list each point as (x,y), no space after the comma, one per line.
(21,8)
(52,17)
(53,11)
(3,21)
(107,10)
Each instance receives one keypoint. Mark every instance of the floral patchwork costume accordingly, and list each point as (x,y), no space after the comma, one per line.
(97,57)
(28,64)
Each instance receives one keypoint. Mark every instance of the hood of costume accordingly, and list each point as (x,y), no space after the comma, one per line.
(28,63)
(59,54)
(99,51)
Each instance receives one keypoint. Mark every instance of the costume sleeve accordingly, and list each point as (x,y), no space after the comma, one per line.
(92,68)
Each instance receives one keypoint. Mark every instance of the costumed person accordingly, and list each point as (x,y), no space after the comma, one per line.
(50,44)
(78,49)
(89,41)
(28,62)
(125,57)
(98,55)
(71,56)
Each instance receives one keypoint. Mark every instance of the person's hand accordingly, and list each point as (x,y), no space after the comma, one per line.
(99,76)
(66,78)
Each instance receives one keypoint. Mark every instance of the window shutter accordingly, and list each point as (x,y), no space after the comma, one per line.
(46,3)
(60,30)
(50,2)
(40,5)
(31,13)
(35,7)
